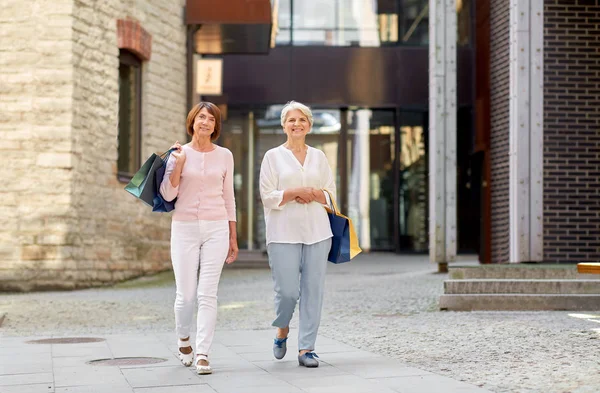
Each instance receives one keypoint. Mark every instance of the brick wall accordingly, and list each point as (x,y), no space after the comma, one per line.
(69,223)
(572,131)
(499,90)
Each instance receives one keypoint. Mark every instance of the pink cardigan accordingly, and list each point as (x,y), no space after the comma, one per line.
(205,190)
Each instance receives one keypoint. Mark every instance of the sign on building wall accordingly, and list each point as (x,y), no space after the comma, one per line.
(209,77)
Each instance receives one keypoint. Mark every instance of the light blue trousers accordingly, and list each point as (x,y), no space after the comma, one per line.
(299,273)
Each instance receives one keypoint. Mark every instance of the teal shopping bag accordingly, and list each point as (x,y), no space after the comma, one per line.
(143,184)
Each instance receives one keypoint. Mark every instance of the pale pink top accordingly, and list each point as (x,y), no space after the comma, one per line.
(205,190)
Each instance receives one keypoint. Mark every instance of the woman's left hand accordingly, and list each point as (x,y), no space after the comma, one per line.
(233,251)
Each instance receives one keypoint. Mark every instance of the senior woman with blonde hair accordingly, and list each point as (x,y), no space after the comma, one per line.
(293,180)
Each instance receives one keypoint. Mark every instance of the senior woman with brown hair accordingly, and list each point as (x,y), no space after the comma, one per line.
(203,231)
(294,181)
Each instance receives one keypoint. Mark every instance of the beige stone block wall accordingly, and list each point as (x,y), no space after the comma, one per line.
(36,101)
(66,220)
(118,237)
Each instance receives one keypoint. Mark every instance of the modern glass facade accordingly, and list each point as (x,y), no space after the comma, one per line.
(362,66)
(361,22)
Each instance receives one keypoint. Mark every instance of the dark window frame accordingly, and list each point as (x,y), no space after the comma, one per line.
(130,60)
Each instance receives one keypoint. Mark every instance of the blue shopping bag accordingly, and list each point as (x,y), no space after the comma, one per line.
(159,203)
(344,244)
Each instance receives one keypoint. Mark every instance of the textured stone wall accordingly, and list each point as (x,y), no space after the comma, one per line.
(36,101)
(66,220)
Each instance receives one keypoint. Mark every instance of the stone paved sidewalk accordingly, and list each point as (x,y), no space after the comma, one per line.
(242,361)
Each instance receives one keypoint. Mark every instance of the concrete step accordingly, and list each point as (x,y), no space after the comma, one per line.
(519,302)
(531,271)
(518,286)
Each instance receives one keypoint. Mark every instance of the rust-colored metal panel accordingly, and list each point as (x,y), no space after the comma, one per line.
(228,12)
(482,122)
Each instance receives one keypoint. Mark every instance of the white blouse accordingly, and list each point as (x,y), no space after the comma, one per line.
(295,222)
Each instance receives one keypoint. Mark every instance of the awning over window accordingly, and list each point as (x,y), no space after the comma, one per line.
(231,26)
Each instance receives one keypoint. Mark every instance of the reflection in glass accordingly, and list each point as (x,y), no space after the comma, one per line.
(371,147)
(463,10)
(413,184)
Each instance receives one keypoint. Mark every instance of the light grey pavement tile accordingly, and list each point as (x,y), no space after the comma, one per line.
(290,369)
(237,365)
(219,351)
(22,357)
(220,381)
(88,375)
(34,388)
(161,376)
(280,388)
(8,342)
(71,361)
(340,383)
(373,367)
(247,337)
(177,389)
(264,356)
(249,349)
(70,350)
(33,366)
(149,345)
(429,384)
(24,379)
(96,389)
(17,349)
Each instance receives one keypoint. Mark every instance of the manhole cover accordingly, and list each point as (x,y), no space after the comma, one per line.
(67,340)
(126,361)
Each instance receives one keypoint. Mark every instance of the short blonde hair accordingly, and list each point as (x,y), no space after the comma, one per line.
(293,105)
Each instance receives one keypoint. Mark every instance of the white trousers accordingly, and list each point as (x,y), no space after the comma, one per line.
(198,252)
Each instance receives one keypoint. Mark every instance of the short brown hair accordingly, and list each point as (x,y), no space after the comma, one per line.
(213,110)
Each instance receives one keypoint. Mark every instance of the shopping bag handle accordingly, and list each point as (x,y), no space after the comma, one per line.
(332,205)
(165,155)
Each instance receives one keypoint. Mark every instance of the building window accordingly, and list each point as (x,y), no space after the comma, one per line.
(130,115)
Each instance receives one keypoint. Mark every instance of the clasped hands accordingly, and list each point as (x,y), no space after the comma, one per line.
(307,194)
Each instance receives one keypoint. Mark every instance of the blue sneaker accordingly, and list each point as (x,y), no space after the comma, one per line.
(309,359)
(279,347)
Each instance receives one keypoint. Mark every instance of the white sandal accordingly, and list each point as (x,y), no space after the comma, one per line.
(186,358)
(203,370)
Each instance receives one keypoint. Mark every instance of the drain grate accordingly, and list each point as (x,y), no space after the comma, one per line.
(126,361)
(67,340)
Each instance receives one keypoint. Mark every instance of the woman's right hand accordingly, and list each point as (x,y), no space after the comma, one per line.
(178,153)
